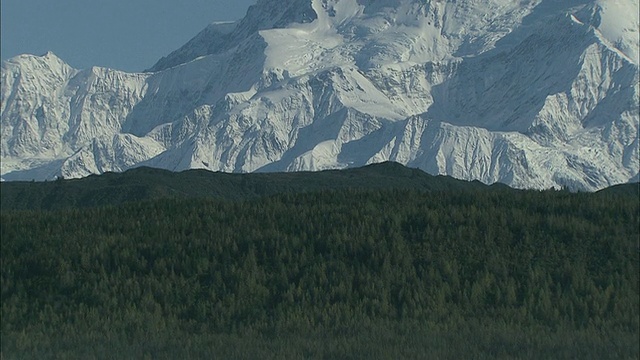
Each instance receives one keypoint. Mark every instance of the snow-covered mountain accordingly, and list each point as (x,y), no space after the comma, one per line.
(531,93)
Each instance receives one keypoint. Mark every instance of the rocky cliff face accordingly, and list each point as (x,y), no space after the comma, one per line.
(534,94)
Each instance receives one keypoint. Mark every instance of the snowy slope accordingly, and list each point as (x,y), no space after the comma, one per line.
(535,94)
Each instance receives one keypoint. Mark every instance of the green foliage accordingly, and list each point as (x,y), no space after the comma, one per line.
(336,274)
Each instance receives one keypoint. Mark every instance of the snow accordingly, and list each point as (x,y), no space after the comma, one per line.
(619,24)
(534,94)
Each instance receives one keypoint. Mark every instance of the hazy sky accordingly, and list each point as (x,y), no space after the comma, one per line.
(128,35)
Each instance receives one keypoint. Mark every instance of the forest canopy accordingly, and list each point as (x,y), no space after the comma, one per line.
(345,273)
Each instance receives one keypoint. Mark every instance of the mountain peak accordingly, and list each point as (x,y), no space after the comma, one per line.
(50,55)
(218,38)
(533,94)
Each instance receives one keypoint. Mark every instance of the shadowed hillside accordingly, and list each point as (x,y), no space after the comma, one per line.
(149,183)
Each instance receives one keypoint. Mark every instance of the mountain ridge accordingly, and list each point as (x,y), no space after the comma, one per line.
(149,184)
(536,95)
(143,183)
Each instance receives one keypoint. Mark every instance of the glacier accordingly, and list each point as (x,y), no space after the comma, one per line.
(534,94)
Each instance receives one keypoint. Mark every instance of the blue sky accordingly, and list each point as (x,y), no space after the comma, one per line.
(128,35)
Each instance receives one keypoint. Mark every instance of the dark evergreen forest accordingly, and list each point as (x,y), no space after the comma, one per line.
(148,183)
(449,272)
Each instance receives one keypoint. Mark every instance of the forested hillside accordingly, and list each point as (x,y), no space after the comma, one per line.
(149,183)
(351,274)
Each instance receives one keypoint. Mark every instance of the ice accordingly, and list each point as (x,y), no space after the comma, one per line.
(535,94)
